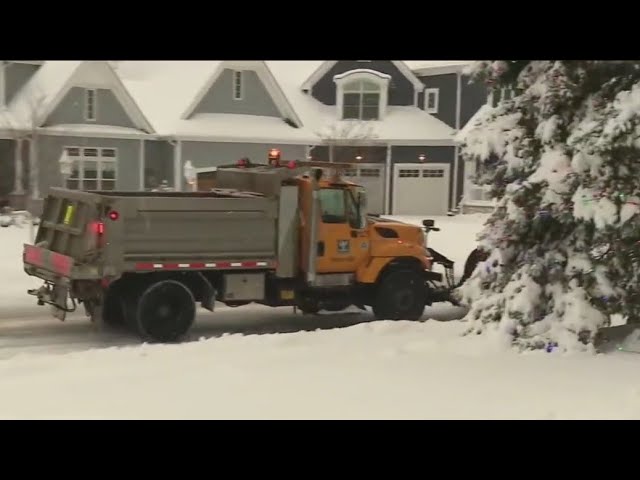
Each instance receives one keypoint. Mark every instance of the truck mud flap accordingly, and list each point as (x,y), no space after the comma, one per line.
(622,338)
(208,293)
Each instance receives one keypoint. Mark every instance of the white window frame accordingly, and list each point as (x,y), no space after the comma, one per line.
(436,94)
(99,159)
(88,92)
(380,79)
(237,77)
(3,93)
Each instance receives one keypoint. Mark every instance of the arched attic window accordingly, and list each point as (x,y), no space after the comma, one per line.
(362,94)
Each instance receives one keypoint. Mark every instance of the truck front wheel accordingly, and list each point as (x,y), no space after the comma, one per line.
(165,312)
(400,295)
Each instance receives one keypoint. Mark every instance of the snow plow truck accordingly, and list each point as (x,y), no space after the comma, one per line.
(278,234)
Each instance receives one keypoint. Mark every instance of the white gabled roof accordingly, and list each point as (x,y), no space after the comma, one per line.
(408,125)
(324,67)
(49,85)
(167,91)
(437,67)
(265,76)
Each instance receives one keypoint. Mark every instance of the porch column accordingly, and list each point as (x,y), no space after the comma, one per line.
(177,166)
(34,171)
(142,165)
(387,182)
(18,188)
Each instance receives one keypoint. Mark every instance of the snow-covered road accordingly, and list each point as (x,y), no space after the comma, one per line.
(259,362)
(32,330)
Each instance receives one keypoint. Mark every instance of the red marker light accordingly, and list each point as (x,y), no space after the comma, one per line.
(113,215)
(292,164)
(98,227)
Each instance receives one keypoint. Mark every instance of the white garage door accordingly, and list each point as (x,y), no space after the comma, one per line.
(371,177)
(420,189)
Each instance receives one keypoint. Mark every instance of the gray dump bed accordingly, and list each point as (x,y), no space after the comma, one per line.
(138,228)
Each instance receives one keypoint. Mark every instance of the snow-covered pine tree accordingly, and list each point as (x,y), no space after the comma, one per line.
(563,162)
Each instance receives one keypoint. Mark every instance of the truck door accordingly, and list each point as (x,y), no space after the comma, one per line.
(342,236)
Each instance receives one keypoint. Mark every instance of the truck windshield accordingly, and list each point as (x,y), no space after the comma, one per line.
(338,205)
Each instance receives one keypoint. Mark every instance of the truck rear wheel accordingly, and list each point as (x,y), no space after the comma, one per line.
(165,312)
(401,295)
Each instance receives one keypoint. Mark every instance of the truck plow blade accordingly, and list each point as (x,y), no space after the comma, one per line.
(621,338)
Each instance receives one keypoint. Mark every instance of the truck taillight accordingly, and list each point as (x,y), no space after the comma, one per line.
(98,228)
(114,215)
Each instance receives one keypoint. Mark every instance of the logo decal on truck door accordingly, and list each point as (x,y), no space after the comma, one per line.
(343,246)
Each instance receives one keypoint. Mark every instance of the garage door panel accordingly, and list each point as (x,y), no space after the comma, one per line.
(421,189)
(371,177)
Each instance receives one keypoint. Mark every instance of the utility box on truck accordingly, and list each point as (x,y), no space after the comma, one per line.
(297,235)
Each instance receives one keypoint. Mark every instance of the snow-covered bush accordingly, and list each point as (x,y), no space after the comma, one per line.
(562,158)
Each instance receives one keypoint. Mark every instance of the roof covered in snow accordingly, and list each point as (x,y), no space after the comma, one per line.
(165,93)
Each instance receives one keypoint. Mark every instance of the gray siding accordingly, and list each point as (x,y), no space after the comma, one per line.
(447,97)
(400,88)
(49,150)
(7,170)
(474,95)
(205,154)
(71,110)
(372,154)
(158,163)
(409,154)
(255,97)
(16,76)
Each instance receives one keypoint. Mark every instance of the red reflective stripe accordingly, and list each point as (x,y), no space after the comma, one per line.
(33,255)
(201,265)
(61,263)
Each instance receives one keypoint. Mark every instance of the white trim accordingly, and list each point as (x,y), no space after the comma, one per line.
(237,75)
(29,62)
(264,74)
(456,162)
(98,159)
(436,92)
(177,166)
(3,92)
(224,139)
(380,79)
(324,68)
(87,93)
(443,70)
(387,182)
(420,166)
(83,133)
(117,87)
(142,165)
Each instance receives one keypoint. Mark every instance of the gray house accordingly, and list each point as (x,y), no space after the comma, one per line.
(133,125)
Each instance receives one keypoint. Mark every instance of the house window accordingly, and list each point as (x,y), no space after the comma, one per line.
(237,85)
(90,100)
(361,94)
(92,168)
(361,100)
(431,99)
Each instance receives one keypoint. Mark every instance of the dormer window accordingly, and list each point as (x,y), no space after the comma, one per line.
(90,105)
(362,94)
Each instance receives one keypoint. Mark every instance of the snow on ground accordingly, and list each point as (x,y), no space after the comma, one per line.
(257,362)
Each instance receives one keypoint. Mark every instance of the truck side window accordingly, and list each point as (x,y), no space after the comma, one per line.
(332,205)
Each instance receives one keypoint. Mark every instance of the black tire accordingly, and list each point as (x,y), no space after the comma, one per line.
(165,311)
(308,306)
(400,295)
